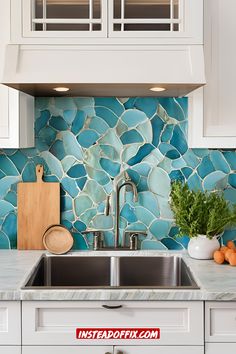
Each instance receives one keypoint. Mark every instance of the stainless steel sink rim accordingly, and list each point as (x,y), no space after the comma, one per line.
(114,273)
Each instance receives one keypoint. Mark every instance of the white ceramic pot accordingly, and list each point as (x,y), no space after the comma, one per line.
(201,247)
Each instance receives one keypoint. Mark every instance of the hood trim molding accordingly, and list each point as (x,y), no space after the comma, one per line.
(36,69)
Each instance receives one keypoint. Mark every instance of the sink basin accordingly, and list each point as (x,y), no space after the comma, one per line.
(163,272)
(64,272)
(70,271)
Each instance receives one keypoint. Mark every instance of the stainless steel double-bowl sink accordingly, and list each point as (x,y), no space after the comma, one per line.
(77,272)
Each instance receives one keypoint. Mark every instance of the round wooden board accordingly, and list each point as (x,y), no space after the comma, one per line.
(57,239)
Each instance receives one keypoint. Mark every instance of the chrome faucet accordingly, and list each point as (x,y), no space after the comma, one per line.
(127,182)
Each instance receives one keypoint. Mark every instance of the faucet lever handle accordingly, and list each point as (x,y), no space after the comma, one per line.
(133,238)
(97,238)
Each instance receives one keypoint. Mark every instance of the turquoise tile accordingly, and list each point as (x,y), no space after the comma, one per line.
(58,123)
(133,117)
(78,122)
(4,241)
(71,145)
(111,103)
(212,180)
(19,160)
(69,116)
(157,128)
(7,166)
(53,164)
(159,182)
(47,135)
(172,244)
(148,105)
(131,137)
(128,213)
(107,115)
(57,149)
(11,197)
(79,242)
(112,168)
(42,121)
(102,222)
(77,171)
(160,228)
(87,138)
(80,226)
(206,167)
(99,125)
(153,245)
(143,135)
(219,161)
(9,227)
(6,183)
(82,203)
(5,208)
(70,186)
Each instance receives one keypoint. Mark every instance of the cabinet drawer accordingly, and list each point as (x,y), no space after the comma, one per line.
(220,321)
(10,323)
(67,350)
(10,350)
(55,323)
(219,348)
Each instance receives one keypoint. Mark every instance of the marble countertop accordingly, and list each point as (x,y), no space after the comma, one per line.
(216,282)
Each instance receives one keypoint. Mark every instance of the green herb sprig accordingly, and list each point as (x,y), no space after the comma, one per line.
(200,213)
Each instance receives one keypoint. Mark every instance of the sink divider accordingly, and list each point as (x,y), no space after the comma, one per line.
(115,271)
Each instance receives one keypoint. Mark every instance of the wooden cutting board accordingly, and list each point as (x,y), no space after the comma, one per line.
(38,208)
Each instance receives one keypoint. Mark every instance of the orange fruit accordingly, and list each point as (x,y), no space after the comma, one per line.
(224,249)
(231,245)
(219,257)
(228,253)
(232,259)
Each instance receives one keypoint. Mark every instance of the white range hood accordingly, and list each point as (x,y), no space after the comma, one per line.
(103,70)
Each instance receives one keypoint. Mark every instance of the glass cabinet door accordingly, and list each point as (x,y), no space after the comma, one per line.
(150,17)
(52,18)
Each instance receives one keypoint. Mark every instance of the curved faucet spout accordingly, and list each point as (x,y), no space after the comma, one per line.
(117,214)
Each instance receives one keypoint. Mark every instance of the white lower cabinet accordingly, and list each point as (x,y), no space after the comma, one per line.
(10,350)
(220,327)
(55,323)
(158,350)
(68,350)
(219,348)
(10,324)
(112,350)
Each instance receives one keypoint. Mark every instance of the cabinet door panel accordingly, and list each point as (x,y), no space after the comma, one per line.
(4,120)
(219,348)
(10,323)
(159,350)
(220,322)
(10,350)
(212,121)
(67,350)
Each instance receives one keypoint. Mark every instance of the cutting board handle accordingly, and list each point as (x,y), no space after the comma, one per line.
(39,173)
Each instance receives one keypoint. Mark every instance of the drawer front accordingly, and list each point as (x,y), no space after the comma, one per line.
(220,321)
(10,350)
(219,348)
(10,323)
(159,350)
(67,350)
(54,323)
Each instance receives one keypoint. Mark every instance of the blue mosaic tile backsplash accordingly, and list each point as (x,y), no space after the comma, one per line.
(87,143)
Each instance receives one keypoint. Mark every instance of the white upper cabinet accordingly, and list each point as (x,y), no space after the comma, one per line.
(107,21)
(212,120)
(16,108)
